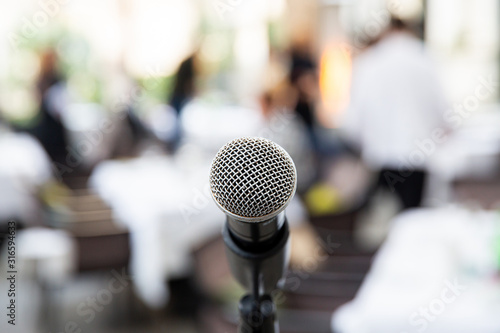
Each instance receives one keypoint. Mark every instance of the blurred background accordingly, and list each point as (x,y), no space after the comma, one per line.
(111,112)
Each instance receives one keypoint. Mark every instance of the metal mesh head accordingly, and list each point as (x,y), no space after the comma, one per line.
(252,179)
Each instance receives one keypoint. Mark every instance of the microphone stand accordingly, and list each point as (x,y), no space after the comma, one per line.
(257,315)
(258,266)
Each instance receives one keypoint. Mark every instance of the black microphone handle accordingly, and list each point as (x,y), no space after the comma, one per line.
(258,266)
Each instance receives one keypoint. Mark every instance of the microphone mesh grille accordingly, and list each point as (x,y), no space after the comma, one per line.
(252,177)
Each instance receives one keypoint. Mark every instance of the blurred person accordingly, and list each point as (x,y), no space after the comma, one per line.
(288,119)
(51,94)
(395,111)
(303,81)
(277,89)
(184,86)
(183,91)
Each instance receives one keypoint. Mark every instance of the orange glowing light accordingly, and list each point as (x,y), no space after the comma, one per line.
(335,80)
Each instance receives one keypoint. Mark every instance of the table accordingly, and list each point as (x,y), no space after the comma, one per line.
(436,272)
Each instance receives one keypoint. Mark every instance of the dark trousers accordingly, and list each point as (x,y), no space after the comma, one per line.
(409,187)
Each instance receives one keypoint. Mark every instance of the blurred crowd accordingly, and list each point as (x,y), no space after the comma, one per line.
(398,185)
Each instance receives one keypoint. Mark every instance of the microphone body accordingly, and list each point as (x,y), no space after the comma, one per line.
(257,265)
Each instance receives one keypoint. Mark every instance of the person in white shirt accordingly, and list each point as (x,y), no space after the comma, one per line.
(395,115)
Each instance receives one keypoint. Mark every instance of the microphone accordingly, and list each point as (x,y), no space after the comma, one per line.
(252,180)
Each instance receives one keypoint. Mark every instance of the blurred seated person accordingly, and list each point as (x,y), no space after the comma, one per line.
(49,129)
(396,108)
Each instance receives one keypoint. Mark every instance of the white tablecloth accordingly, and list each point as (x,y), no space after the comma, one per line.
(24,167)
(167,209)
(435,273)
